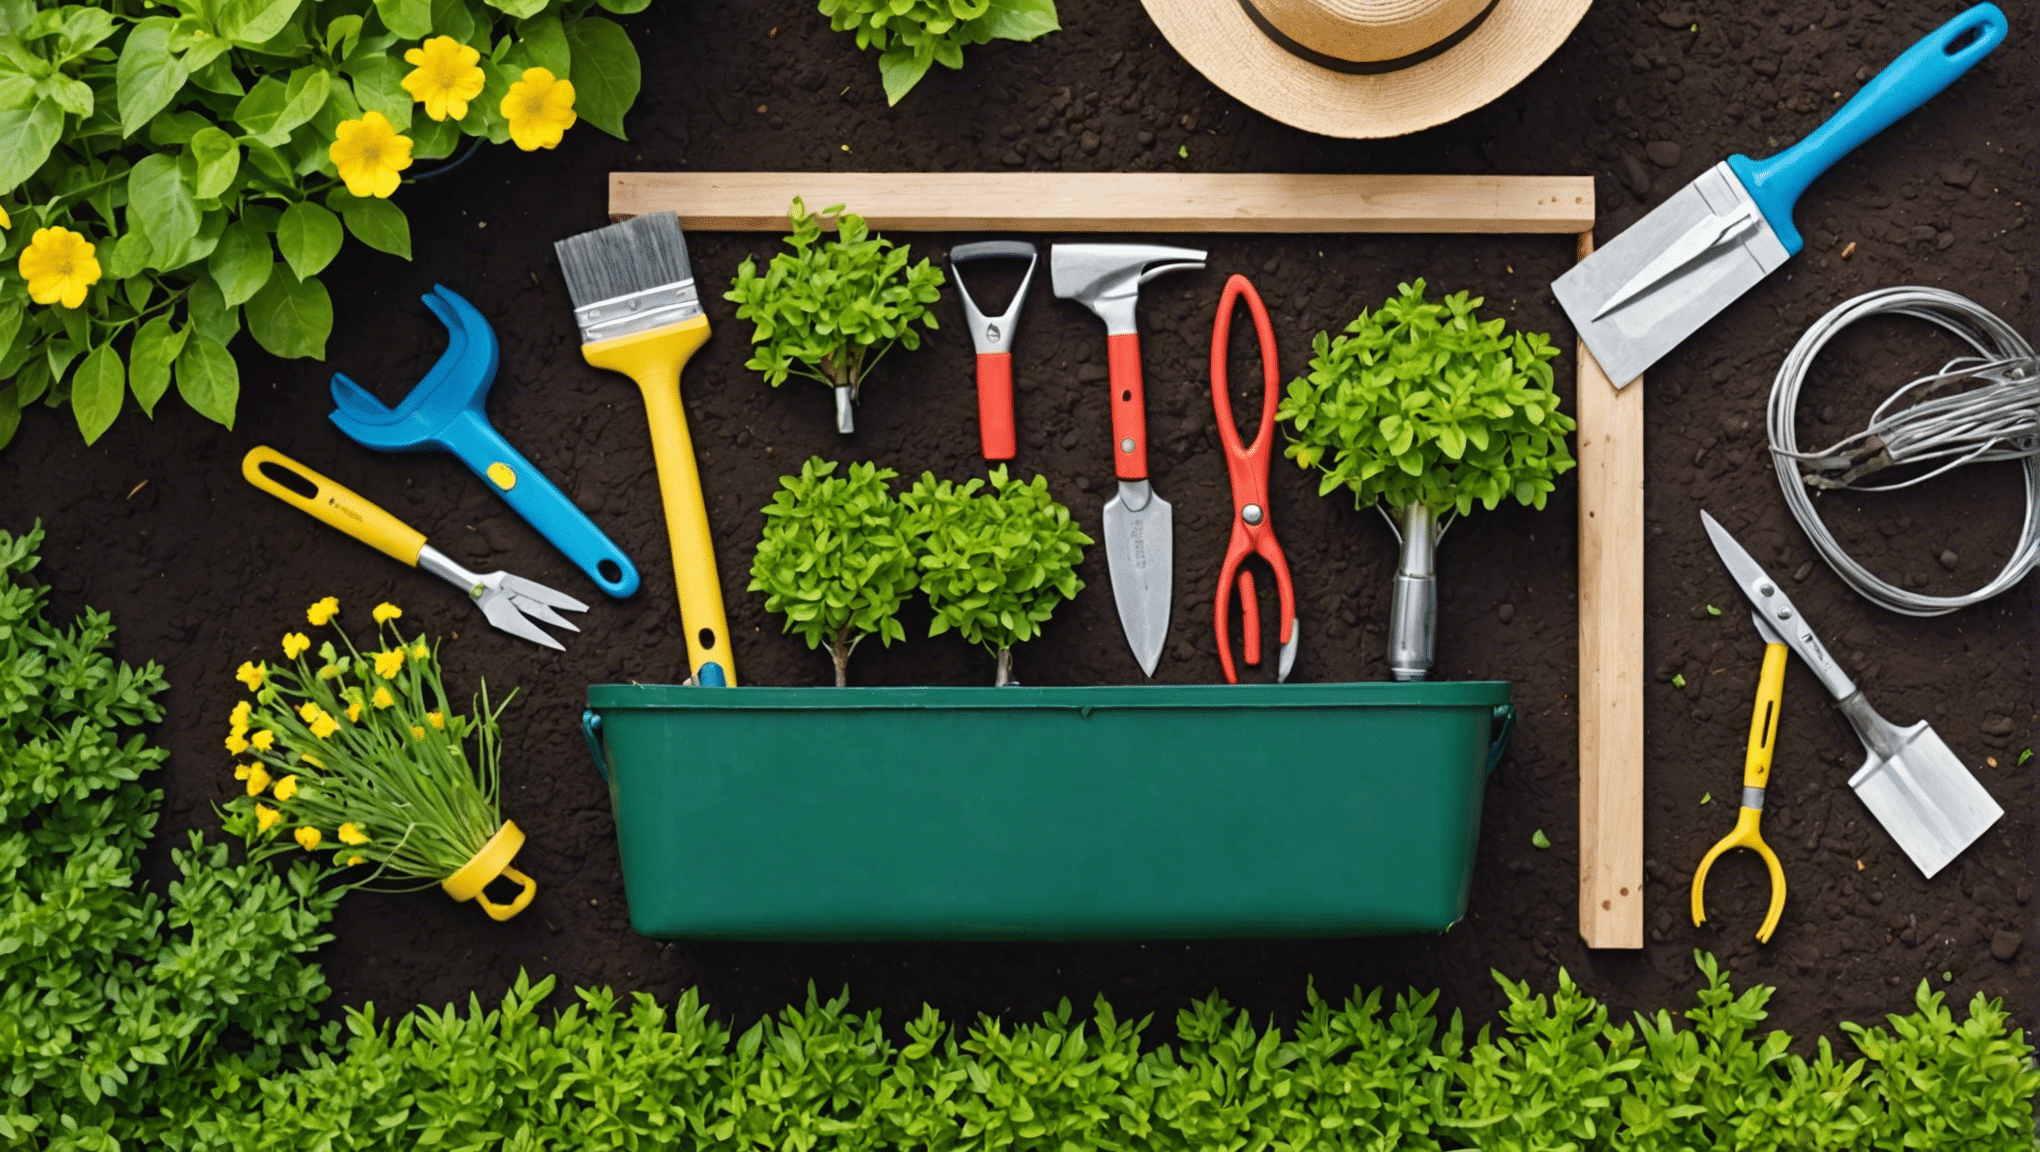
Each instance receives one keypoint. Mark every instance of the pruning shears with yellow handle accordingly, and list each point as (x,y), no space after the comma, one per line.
(1756,775)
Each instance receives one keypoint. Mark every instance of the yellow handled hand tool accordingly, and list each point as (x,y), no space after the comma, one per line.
(635,300)
(1756,775)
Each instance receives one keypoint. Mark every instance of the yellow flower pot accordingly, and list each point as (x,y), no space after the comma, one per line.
(493,861)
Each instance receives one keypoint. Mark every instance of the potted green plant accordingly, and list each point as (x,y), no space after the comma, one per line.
(995,561)
(834,559)
(1422,409)
(830,311)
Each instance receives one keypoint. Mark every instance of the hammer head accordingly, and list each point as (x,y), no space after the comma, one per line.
(1106,278)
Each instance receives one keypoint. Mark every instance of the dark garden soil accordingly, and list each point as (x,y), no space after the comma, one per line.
(202,572)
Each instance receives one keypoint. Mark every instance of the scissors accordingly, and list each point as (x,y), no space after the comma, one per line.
(1248,467)
(1756,774)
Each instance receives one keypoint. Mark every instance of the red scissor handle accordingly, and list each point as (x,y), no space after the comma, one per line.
(1252,531)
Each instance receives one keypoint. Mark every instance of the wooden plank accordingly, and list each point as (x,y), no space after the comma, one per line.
(1117,201)
(1610,441)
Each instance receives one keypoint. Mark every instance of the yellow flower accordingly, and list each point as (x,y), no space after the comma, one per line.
(263,740)
(325,726)
(351,833)
(286,788)
(382,698)
(540,109)
(6,221)
(323,611)
(417,733)
(294,643)
(308,758)
(266,817)
(386,612)
(236,743)
(239,718)
(59,266)
(354,711)
(250,674)
(353,860)
(308,837)
(241,770)
(308,711)
(258,779)
(421,652)
(436,720)
(368,154)
(446,77)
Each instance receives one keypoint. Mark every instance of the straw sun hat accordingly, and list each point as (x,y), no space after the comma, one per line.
(1363,68)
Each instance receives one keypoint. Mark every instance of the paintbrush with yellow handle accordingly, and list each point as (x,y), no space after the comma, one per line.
(640,315)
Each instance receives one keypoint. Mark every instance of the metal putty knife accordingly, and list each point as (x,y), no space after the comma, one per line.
(1677,268)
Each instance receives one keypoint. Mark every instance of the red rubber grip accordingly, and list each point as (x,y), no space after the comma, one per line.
(995,404)
(1129,410)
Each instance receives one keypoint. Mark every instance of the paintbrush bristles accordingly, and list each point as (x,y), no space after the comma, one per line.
(639,254)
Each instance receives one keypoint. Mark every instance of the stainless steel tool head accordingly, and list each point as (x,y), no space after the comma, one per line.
(1923,794)
(509,602)
(1106,278)
(994,333)
(1140,553)
(1769,601)
(1671,272)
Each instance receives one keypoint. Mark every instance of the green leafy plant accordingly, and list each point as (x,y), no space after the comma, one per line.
(175,170)
(995,562)
(913,35)
(834,558)
(1423,410)
(830,311)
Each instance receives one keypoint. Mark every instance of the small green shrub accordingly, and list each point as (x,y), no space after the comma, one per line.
(913,35)
(994,562)
(834,558)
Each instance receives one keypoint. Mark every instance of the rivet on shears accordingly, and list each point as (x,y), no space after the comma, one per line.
(1251,513)
(1126,445)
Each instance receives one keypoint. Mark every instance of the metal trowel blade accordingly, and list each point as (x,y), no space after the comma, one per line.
(1926,798)
(1141,554)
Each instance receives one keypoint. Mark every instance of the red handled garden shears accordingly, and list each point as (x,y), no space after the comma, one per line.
(1248,466)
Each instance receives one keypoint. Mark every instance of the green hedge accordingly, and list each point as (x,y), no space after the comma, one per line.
(132,1021)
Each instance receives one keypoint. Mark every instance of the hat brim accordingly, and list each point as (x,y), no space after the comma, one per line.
(1220,40)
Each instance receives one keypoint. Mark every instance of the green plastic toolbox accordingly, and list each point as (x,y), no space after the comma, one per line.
(1047,813)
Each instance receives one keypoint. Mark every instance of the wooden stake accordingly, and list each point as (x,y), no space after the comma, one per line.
(1610,441)
(1116,201)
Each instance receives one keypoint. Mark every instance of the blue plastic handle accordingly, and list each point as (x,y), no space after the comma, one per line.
(591,731)
(479,446)
(1914,78)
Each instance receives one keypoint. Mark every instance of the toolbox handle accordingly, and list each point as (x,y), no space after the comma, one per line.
(591,730)
(1504,727)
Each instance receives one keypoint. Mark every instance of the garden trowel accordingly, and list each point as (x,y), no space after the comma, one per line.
(1677,268)
(1139,525)
(1910,780)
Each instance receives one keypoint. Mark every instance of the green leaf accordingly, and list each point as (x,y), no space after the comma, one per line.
(97,389)
(546,39)
(160,205)
(605,72)
(208,380)
(409,19)
(1539,840)
(900,68)
(31,133)
(309,237)
(210,314)
(454,18)
(155,348)
(1678,680)
(303,97)
(240,263)
(148,77)
(252,22)
(216,159)
(258,110)
(10,414)
(379,86)
(1707,797)
(379,224)
(291,318)
(1018,20)
(622,7)
(1713,611)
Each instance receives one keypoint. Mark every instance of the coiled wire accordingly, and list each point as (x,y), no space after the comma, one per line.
(1995,422)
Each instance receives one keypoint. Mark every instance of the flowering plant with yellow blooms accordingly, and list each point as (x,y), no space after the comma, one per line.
(177,174)
(360,757)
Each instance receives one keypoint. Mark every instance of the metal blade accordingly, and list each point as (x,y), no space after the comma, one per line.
(533,590)
(1770,600)
(1704,237)
(1926,798)
(1140,552)
(502,611)
(540,612)
(1288,659)
(1629,339)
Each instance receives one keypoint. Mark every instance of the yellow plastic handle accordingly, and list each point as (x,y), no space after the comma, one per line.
(655,359)
(307,491)
(1764,718)
(491,861)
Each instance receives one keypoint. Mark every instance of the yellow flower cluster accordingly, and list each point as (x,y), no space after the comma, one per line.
(447,76)
(294,643)
(251,674)
(540,109)
(388,664)
(368,154)
(322,612)
(386,612)
(59,266)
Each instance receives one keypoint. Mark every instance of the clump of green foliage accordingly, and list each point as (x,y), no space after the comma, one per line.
(995,562)
(913,35)
(123,1015)
(829,311)
(834,558)
(188,143)
(1423,403)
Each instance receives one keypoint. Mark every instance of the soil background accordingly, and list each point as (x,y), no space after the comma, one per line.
(201,571)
